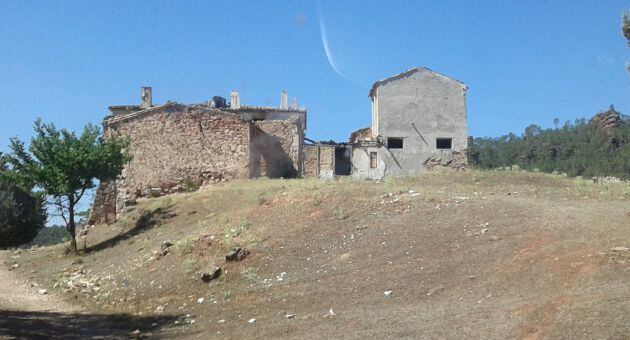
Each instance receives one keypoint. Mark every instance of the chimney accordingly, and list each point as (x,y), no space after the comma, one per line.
(284,100)
(294,104)
(235,101)
(145,95)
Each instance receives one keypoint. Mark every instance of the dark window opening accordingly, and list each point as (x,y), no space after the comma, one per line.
(395,143)
(373,160)
(444,143)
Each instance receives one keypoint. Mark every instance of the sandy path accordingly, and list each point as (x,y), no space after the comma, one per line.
(17,294)
(26,314)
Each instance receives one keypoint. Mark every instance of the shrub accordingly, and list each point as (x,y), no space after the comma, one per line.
(191,185)
(21,216)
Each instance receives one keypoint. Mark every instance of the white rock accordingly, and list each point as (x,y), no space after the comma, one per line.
(388,293)
(252,320)
(200,300)
(619,249)
(331,312)
(42,292)
(290,316)
(221,321)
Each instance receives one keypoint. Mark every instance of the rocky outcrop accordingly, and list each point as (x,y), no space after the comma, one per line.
(607,121)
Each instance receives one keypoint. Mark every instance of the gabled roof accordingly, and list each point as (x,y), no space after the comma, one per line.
(407,74)
(166,107)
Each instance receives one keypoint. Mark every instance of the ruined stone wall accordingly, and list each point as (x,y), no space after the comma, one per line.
(176,144)
(171,145)
(276,148)
(326,166)
(310,168)
(104,205)
(326,161)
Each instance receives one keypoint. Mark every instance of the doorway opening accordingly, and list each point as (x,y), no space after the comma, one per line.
(343,165)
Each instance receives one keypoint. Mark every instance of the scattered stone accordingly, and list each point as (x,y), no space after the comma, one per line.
(331,312)
(388,293)
(435,290)
(484,230)
(221,321)
(213,274)
(15,266)
(130,201)
(344,257)
(42,292)
(237,254)
(136,333)
(290,316)
(200,300)
(494,238)
(155,192)
(252,321)
(159,309)
(619,249)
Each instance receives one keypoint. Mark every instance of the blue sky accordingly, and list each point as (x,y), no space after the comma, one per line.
(524,61)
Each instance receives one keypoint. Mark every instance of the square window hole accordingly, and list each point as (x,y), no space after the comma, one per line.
(395,143)
(444,143)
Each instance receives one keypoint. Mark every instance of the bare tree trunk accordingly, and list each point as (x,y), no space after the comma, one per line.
(72,226)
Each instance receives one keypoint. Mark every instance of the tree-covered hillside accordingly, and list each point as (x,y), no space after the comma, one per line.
(598,147)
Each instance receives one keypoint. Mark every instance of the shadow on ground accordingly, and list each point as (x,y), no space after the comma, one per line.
(146,221)
(47,325)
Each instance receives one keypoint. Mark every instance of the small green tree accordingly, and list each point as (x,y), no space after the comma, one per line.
(63,166)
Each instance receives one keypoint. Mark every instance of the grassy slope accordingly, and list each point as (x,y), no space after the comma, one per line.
(461,255)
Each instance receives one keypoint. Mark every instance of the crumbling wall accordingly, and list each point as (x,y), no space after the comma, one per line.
(319,160)
(275,149)
(362,161)
(170,145)
(176,144)
(457,160)
(326,161)
(104,205)
(311,166)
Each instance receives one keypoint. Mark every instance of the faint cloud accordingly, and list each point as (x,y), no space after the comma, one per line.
(300,20)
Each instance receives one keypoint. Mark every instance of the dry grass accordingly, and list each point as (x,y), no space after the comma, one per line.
(476,254)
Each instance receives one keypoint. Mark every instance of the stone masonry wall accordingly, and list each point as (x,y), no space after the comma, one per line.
(104,205)
(172,144)
(176,144)
(326,161)
(310,160)
(275,148)
(326,166)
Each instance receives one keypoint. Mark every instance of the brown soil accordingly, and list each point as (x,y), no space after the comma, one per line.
(466,255)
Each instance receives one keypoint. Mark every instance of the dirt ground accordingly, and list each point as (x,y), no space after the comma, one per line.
(29,312)
(444,255)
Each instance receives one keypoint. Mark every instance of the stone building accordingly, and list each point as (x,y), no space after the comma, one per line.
(174,145)
(418,122)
